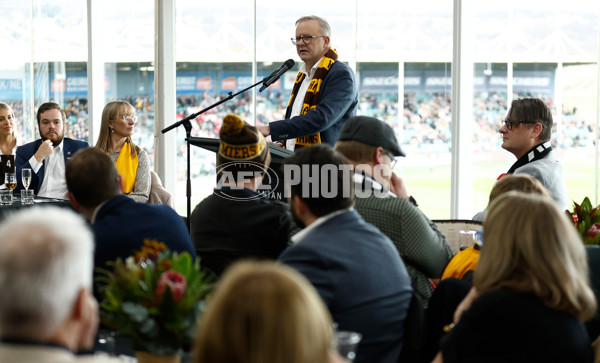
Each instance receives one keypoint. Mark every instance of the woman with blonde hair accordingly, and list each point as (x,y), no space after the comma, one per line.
(531,289)
(8,141)
(132,162)
(263,312)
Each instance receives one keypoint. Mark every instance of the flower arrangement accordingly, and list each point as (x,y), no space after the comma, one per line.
(587,221)
(155,297)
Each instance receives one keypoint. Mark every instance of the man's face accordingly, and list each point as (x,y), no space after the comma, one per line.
(52,126)
(520,139)
(316,49)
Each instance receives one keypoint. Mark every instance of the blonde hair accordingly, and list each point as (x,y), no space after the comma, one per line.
(518,182)
(263,312)
(530,246)
(111,111)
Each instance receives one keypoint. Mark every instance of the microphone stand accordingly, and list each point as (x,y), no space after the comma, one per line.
(188,130)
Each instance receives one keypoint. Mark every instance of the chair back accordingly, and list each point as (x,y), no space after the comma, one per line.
(158,194)
(451,229)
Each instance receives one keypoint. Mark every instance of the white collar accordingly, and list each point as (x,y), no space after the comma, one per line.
(312,70)
(300,235)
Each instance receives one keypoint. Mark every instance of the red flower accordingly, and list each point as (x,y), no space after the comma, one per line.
(176,283)
(593,231)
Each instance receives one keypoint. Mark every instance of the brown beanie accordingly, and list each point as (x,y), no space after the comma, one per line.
(242,147)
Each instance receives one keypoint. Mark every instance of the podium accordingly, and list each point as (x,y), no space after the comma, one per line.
(273,180)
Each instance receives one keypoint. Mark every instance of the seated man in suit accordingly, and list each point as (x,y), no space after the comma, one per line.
(120,224)
(355,268)
(47,310)
(47,156)
(382,199)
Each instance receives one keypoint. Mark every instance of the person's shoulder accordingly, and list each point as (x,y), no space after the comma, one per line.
(77,143)
(29,145)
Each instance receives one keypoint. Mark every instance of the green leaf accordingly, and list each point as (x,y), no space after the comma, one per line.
(136,312)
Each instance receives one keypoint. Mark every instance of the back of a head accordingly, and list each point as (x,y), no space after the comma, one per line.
(242,148)
(92,177)
(263,312)
(533,110)
(530,246)
(518,182)
(46,257)
(321,177)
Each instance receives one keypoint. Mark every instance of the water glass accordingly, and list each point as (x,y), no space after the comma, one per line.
(26,177)
(346,343)
(105,344)
(6,197)
(27,197)
(466,238)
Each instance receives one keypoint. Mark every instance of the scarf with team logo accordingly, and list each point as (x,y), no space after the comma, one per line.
(312,94)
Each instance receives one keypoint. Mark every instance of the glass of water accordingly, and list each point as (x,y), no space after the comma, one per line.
(26,177)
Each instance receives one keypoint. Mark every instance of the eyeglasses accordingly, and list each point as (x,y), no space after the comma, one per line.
(392,158)
(307,39)
(128,118)
(510,123)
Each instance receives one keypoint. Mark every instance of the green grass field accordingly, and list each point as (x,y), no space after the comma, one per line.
(431,186)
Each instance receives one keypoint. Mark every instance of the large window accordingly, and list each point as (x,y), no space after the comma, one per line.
(401,53)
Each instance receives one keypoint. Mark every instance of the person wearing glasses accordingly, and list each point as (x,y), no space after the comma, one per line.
(526,133)
(47,157)
(132,162)
(381,199)
(324,94)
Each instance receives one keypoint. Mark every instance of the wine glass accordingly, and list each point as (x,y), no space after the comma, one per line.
(26,177)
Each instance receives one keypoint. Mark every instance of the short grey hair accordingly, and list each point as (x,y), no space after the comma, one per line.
(46,258)
(322,23)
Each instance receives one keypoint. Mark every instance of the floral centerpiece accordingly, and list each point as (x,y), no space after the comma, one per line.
(587,221)
(155,297)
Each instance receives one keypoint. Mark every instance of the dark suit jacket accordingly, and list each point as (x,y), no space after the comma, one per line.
(122,224)
(359,274)
(338,99)
(25,152)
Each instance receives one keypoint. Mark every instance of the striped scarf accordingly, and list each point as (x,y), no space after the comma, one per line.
(312,94)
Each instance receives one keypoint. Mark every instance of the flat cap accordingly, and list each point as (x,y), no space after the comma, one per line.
(370,131)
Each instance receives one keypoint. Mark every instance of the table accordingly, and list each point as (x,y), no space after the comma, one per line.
(5,210)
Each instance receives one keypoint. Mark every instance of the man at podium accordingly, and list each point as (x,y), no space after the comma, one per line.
(324,94)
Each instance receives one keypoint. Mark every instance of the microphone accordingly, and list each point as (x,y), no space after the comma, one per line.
(267,81)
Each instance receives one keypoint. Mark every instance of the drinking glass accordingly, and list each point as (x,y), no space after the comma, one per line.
(346,343)
(26,177)
(10,182)
(466,239)
(6,197)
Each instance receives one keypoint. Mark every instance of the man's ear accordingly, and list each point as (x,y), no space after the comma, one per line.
(378,156)
(537,130)
(74,201)
(79,305)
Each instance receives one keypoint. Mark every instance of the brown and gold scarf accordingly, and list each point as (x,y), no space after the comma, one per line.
(312,94)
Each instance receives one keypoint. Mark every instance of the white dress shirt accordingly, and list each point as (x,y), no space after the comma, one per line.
(290,144)
(54,184)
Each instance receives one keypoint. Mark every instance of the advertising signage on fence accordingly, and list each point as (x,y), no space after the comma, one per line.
(11,89)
